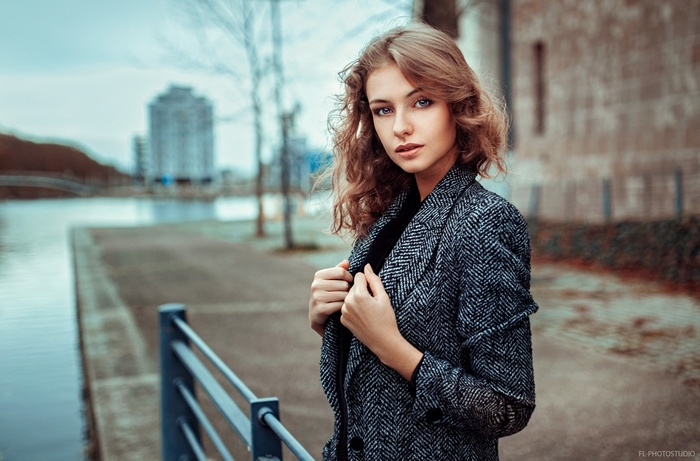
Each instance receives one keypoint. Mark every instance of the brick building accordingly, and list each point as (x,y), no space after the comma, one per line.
(605,101)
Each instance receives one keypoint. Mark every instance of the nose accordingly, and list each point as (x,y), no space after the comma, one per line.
(402,124)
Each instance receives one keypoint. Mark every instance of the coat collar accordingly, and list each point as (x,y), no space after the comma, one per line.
(431,216)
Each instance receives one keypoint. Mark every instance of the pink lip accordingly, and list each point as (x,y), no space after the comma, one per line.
(406,150)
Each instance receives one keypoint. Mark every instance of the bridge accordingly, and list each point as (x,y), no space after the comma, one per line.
(47,181)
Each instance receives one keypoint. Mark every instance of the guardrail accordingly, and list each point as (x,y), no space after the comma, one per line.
(181,414)
(48,182)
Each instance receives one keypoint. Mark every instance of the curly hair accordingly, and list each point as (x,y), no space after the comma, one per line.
(364,180)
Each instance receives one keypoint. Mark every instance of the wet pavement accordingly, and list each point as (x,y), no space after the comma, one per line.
(617,361)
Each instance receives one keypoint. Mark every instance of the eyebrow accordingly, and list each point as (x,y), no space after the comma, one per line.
(384,101)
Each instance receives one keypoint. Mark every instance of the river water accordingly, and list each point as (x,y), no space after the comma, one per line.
(41,410)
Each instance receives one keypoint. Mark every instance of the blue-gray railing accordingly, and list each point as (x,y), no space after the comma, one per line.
(181,414)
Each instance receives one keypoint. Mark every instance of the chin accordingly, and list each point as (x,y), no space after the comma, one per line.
(409,166)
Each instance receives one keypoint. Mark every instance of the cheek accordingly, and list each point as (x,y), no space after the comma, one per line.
(449,128)
(452,133)
(383,133)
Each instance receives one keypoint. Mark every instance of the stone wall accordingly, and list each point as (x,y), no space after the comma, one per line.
(606,90)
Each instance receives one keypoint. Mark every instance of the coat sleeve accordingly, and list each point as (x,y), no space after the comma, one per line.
(492,390)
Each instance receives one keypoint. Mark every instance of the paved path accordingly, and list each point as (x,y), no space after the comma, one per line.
(616,363)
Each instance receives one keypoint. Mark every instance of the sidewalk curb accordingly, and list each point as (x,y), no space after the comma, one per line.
(120,382)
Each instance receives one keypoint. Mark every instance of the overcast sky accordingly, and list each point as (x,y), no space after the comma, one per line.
(83,71)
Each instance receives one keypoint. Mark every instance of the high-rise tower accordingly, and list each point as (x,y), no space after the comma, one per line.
(181,136)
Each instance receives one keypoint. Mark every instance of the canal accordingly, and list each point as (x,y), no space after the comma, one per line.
(41,409)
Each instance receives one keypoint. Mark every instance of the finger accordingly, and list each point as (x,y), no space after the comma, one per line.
(329,308)
(330,285)
(345,264)
(374,282)
(345,317)
(347,276)
(329,296)
(322,289)
(333,273)
(360,285)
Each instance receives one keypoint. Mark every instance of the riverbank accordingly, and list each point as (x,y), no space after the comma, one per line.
(616,373)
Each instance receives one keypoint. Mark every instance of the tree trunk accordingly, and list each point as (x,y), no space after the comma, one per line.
(441,14)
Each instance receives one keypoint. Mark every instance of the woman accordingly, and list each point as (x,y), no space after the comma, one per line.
(426,339)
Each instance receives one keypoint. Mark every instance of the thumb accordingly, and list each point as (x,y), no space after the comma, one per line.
(374,282)
(345,264)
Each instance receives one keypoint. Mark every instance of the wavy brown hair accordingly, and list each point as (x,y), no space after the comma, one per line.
(363,177)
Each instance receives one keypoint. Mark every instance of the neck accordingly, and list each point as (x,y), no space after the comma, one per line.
(426,181)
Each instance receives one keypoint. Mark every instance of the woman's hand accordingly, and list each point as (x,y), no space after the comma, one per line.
(328,291)
(368,314)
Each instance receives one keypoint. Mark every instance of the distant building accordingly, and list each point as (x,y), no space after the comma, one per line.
(298,167)
(318,162)
(181,137)
(140,151)
(305,164)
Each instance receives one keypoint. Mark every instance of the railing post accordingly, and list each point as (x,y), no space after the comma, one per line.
(607,200)
(534,202)
(173,408)
(266,445)
(678,181)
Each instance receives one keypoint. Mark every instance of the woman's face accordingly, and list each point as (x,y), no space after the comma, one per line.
(417,132)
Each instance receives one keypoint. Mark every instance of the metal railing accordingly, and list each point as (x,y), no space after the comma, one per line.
(181,414)
(666,194)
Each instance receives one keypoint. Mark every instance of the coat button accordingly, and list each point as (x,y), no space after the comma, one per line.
(433,415)
(356,444)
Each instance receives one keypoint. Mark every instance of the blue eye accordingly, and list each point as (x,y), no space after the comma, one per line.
(382,111)
(423,102)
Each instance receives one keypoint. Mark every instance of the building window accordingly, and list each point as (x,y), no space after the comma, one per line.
(539,52)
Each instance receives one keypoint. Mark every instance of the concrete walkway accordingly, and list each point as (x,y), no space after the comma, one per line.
(617,363)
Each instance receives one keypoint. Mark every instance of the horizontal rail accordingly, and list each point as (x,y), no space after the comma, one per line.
(192,440)
(202,418)
(224,403)
(237,382)
(268,418)
(182,416)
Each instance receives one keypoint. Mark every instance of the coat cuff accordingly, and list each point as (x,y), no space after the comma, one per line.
(427,405)
(414,377)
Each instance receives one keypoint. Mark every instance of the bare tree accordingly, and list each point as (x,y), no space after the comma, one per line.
(237,22)
(240,23)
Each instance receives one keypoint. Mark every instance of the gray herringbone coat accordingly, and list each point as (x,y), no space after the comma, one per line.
(458,279)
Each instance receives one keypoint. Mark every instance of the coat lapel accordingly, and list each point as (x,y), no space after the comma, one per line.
(359,251)
(418,244)
(359,351)
(415,249)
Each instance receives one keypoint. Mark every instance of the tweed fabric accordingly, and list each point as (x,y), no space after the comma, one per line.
(458,279)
